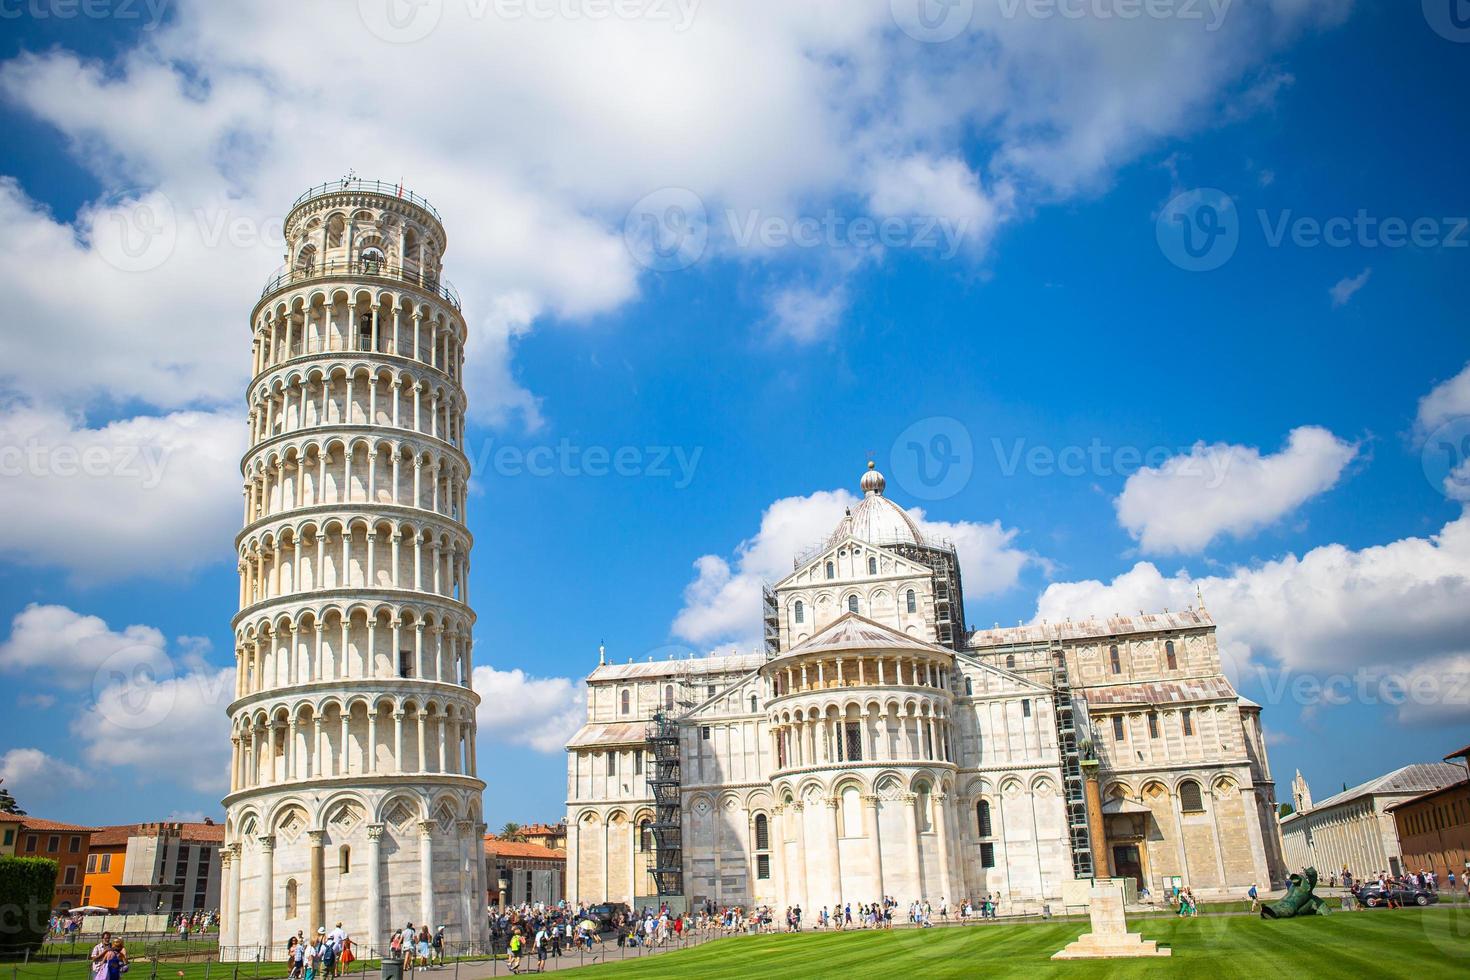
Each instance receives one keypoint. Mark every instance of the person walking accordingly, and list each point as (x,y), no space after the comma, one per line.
(1255,898)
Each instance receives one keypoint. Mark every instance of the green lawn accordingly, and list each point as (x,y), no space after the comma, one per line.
(1413,943)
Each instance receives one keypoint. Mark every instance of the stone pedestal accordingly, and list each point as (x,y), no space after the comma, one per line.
(1109,937)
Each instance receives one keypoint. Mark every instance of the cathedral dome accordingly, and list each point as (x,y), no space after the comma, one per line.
(876,519)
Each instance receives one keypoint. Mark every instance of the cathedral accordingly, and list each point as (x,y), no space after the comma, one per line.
(878,747)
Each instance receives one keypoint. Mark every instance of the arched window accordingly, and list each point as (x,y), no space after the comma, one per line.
(625,702)
(668,697)
(872,565)
(1011,661)
(911,601)
(852,812)
(798,612)
(1169,655)
(762,832)
(921,805)
(344,860)
(852,603)
(982,814)
(831,571)
(292,909)
(645,835)
(754,704)
(1113,660)
(1190,799)
(1188,721)
(969,687)
(372,258)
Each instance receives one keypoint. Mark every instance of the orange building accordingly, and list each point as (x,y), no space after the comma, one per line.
(553,836)
(64,843)
(105,861)
(518,872)
(1434,829)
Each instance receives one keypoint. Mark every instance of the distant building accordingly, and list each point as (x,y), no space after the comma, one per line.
(519,872)
(105,860)
(1354,829)
(1434,829)
(553,836)
(64,843)
(166,867)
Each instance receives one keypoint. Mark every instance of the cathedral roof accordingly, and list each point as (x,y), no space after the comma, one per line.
(853,632)
(729,663)
(613,733)
(1083,629)
(1161,692)
(876,519)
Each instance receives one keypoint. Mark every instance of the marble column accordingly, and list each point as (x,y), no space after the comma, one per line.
(267,906)
(875,844)
(426,871)
(940,803)
(373,923)
(318,879)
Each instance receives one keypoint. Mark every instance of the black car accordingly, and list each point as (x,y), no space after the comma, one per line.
(1375,896)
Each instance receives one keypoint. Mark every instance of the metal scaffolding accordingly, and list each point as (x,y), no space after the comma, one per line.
(666,784)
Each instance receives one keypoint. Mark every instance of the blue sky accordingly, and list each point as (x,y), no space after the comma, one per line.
(1310,383)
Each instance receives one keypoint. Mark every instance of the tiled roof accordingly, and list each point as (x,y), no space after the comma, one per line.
(1411,780)
(514,848)
(37,823)
(115,836)
(1160,692)
(199,833)
(853,632)
(730,663)
(1083,629)
(613,733)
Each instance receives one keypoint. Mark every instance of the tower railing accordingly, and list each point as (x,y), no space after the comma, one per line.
(350,185)
(359,267)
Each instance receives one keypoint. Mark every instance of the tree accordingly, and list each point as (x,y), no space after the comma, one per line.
(1285,810)
(7,802)
(27,887)
(511,831)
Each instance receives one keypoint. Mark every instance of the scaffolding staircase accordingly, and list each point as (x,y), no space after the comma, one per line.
(1071,722)
(665,783)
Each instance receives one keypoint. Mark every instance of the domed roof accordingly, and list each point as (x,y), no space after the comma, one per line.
(876,519)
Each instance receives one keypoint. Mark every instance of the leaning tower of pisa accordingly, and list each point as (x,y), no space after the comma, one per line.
(353,794)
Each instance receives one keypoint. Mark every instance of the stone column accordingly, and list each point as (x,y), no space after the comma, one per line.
(1102,860)
(318,879)
(798,894)
(835,805)
(267,894)
(229,909)
(911,828)
(373,924)
(941,833)
(875,844)
(777,829)
(426,871)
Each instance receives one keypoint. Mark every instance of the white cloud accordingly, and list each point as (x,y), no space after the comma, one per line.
(1188,501)
(38,701)
(1393,614)
(540,713)
(722,603)
(1446,402)
(1346,289)
(69,649)
(31,773)
(161,726)
(150,495)
(804,314)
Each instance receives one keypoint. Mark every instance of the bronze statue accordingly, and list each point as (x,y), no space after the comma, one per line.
(1298,900)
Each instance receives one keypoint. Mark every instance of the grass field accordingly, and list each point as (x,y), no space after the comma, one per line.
(1414,943)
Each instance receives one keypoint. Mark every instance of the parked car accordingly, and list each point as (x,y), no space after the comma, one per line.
(1375,896)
